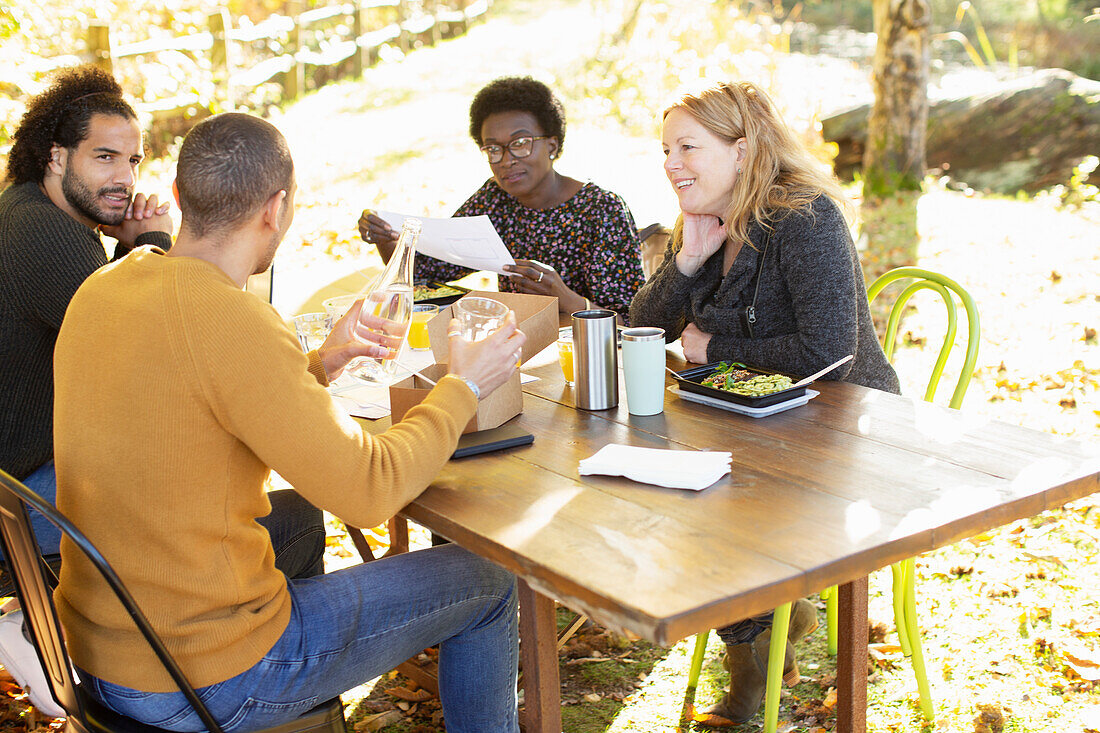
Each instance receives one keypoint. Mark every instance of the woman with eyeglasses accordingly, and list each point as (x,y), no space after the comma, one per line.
(571,239)
(760,269)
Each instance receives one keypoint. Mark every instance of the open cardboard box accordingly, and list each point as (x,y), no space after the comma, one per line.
(537,316)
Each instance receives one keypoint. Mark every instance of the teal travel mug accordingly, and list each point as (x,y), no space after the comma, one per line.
(644,369)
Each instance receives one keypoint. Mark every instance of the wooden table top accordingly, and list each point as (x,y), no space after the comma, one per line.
(818,495)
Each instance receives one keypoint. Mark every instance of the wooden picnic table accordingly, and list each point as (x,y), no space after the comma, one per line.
(820,495)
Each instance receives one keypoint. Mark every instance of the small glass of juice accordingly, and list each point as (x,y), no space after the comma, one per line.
(418,327)
(565,357)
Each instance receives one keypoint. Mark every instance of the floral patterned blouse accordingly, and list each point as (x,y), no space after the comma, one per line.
(590,240)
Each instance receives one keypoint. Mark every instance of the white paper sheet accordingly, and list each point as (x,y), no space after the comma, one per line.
(469,241)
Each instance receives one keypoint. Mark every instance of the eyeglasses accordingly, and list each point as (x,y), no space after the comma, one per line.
(521,147)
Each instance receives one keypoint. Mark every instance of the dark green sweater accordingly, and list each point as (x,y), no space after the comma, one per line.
(45,255)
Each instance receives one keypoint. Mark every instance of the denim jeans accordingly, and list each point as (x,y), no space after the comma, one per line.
(745,630)
(297,528)
(44,483)
(355,624)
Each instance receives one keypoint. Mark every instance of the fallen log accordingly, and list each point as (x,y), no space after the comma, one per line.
(1026,134)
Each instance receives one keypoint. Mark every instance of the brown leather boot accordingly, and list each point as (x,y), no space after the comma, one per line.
(748,664)
(761,649)
(747,684)
(803,621)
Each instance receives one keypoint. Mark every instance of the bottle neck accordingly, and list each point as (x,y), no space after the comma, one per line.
(400,266)
(404,256)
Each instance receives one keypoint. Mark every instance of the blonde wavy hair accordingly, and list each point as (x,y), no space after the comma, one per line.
(778,174)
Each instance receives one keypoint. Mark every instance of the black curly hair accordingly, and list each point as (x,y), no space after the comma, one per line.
(60,116)
(519,94)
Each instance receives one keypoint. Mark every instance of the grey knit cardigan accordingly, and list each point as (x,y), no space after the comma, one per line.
(811,309)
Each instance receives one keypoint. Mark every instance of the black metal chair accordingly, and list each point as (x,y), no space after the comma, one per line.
(32,582)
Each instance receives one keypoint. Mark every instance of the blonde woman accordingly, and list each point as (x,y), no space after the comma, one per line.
(760,269)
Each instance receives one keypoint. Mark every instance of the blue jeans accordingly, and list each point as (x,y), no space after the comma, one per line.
(297,528)
(355,624)
(44,483)
(745,630)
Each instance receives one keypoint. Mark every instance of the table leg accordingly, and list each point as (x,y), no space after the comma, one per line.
(851,660)
(538,649)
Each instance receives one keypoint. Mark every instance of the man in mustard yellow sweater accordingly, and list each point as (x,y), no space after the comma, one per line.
(177,393)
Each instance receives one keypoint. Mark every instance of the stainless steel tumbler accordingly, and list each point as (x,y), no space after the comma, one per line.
(595,360)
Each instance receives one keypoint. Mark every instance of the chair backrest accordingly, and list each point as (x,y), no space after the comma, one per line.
(263,284)
(654,239)
(948,290)
(34,594)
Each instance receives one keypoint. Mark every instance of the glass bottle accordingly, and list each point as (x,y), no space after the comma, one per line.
(391,297)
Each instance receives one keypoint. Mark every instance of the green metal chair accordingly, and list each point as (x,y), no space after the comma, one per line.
(780,622)
(904,572)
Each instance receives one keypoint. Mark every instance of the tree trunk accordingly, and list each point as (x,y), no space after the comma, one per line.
(894,157)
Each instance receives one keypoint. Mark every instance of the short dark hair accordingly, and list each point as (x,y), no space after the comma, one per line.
(61,116)
(519,94)
(229,166)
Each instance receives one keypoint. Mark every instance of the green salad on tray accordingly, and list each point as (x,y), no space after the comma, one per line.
(734,378)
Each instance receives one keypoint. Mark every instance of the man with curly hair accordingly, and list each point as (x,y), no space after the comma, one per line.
(72,173)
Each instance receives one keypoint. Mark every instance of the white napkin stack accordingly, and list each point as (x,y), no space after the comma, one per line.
(674,469)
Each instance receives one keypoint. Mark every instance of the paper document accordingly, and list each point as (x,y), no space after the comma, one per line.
(469,241)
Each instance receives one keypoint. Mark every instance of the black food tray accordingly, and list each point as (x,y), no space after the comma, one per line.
(690,380)
(442,300)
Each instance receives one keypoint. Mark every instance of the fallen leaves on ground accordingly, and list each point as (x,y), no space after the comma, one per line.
(408,695)
(990,719)
(1084,662)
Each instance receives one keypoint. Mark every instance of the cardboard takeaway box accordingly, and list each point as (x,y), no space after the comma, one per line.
(537,316)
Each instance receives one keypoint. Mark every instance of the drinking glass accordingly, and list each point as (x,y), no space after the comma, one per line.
(312,329)
(565,357)
(418,327)
(337,306)
(479,317)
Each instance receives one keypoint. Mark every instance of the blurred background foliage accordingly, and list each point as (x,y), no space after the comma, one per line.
(741,36)
(1041,33)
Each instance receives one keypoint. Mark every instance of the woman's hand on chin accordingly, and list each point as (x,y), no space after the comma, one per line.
(704,234)
(695,344)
